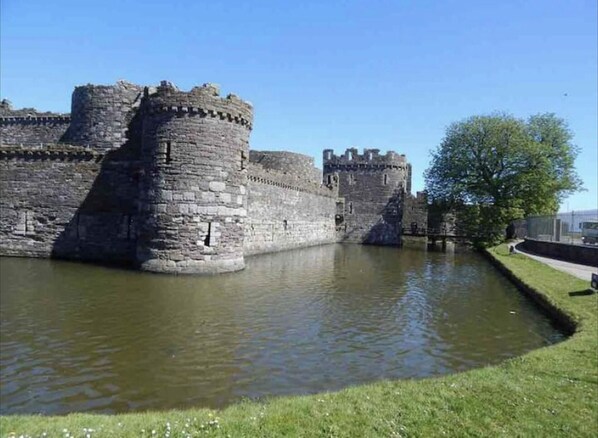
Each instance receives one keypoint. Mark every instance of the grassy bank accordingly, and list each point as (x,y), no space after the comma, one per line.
(552,391)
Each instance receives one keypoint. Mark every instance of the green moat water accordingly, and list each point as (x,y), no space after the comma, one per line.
(79,337)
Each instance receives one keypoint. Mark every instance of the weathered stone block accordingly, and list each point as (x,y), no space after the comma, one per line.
(208,196)
(225,197)
(217,186)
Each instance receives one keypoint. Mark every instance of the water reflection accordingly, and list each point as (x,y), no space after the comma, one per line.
(86,338)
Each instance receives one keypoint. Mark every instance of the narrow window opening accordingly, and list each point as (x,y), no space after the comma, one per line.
(351,179)
(385,179)
(285,224)
(329,179)
(206,241)
(350,208)
(168,149)
(243,159)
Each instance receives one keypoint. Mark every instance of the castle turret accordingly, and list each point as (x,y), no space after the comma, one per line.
(193,189)
(373,187)
(100,115)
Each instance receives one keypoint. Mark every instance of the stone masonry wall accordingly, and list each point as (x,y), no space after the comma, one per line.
(415,214)
(164,180)
(287,162)
(67,202)
(373,187)
(287,211)
(193,192)
(33,131)
(100,115)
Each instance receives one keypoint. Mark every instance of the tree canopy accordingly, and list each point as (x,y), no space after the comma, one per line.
(498,168)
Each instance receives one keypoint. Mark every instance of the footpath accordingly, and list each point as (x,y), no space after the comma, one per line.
(580,271)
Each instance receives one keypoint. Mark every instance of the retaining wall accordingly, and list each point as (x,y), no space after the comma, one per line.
(582,254)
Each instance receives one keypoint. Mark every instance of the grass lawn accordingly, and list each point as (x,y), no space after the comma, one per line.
(548,392)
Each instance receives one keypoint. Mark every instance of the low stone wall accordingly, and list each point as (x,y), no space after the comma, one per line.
(581,254)
(285,212)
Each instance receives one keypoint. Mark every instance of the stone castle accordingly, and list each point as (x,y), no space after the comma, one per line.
(165,180)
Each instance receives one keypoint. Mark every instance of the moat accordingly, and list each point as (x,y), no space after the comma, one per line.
(80,337)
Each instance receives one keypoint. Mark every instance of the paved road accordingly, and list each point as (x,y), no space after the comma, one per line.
(579,271)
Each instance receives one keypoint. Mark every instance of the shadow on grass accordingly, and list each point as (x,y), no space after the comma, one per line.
(560,376)
(581,293)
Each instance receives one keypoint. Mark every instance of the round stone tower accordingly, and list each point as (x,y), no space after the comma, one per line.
(195,146)
(100,115)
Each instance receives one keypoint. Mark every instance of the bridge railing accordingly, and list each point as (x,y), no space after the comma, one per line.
(415,231)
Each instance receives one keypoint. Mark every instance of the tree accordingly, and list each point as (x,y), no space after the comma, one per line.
(494,169)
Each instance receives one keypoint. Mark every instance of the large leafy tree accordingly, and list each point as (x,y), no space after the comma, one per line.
(497,168)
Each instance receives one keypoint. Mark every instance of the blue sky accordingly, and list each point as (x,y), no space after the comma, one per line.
(325,74)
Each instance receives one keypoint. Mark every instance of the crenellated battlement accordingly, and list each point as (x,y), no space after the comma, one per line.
(274,177)
(27,126)
(204,101)
(370,159)
(55,152)
(290,163)
(35,120)
(165,180)
(373,186)
(192,194)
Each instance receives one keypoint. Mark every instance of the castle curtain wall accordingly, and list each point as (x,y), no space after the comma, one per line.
(164,180)
(67,203)
(287,211)
(33,131)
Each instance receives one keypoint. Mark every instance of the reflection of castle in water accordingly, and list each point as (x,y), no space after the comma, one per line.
(310,320)
(164,180)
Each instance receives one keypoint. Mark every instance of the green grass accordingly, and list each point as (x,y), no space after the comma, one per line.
(550,392)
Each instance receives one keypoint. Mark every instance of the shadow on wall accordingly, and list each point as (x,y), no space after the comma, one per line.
(387,230)
(104,227)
